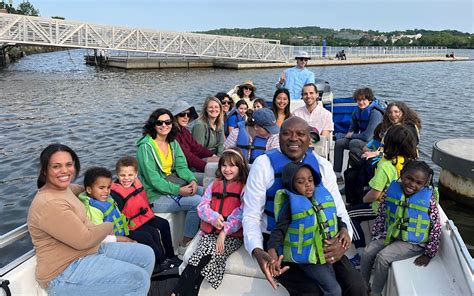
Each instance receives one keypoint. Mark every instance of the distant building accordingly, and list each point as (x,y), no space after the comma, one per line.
(348,36)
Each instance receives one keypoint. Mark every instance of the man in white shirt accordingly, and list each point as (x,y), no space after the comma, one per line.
(294,142)
(313,111)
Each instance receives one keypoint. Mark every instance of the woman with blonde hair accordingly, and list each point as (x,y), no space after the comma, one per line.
(209,127)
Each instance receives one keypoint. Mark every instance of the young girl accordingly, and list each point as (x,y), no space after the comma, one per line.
(259,104)
(399,147)
(409,198)
(221,215)
(237,115)
(301,208)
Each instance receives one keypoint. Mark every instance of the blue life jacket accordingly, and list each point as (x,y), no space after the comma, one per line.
(250,151)
(362,117)
(112,214)
(407,218)
(278,160)
(312,221)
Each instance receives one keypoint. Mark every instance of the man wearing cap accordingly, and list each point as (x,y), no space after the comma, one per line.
(256,135)
(313,112)
(258,213)
(295,78)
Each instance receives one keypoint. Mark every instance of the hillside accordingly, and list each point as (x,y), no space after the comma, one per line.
(349,37)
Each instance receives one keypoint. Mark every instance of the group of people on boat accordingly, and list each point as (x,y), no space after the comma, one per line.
(286,209)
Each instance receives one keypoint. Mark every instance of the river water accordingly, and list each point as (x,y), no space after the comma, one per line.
(55,97)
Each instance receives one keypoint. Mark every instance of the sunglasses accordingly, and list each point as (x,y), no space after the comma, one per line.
(226,102)
(303,59)
(248,88)
(184,114)
(161,122)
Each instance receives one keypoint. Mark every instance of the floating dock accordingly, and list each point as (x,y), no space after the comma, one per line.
(456,158)
(136,63)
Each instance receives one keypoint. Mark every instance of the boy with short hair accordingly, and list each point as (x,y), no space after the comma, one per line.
(101,207)
(128,192)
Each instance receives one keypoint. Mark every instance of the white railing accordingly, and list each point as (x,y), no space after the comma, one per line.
(31,30)
(373,51)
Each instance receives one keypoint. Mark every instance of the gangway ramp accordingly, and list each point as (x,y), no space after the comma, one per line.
(30,30)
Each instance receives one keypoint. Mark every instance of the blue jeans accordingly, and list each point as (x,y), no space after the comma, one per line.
(188,204)
(323,275)
(116,269)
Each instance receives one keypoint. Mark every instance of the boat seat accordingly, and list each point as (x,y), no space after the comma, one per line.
(176,221)
(23,281)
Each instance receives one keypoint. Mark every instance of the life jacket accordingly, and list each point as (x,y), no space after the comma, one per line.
(312,221)
(278,160)
(407,218)
(112,214)
(363,116)
(225,199)
(250,151)
(136,206)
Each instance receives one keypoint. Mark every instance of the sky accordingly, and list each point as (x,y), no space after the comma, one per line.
(189,15)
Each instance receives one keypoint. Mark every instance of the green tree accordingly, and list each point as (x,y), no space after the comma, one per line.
(26,8)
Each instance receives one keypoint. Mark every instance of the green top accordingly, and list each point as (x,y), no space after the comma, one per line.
(384,175)
(94,214)
(212,139)
(151,173)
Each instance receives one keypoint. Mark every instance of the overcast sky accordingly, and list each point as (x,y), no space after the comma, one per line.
(188,15)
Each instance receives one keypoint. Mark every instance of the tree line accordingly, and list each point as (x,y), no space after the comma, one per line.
(314,36)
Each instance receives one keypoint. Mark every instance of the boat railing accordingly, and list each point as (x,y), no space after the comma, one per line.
(8,239)
(463,253)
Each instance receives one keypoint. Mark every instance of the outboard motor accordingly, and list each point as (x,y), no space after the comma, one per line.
(324,90)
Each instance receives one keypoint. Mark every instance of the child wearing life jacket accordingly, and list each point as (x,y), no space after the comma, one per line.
(221,221)
(306,217)
(100,207)
(407,225)
(131,199)
(237,115)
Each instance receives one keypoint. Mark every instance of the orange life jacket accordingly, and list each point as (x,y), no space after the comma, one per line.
(225,199)
(137,207)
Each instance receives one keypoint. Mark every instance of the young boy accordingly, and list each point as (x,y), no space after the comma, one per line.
(101,207)
(130,196)
(305,201)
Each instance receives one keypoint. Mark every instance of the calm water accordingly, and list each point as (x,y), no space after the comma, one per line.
(54,97)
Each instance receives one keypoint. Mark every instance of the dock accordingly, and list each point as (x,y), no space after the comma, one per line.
(140,63)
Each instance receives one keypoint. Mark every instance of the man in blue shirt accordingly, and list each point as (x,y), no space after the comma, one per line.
(295,78)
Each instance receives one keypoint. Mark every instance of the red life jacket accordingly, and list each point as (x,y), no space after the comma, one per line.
(225,199)
(137,207)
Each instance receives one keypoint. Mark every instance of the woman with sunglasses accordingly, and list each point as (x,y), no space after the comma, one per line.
(227,106)
(245,91)
(195,153)
(169,183)
(208,130)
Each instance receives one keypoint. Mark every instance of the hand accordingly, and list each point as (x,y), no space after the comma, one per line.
(344,238)
(282,78)
(213,158)
(220,242)
(264,261)
(186,190)
(274,266)
(422,260)
(124,239)
(349,135)
(333,250)
(194,186)
(220,222)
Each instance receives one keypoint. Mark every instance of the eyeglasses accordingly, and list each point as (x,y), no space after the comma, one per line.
(184,114)
(161,122)
(226,103)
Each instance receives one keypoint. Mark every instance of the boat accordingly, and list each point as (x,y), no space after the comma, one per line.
(450,272)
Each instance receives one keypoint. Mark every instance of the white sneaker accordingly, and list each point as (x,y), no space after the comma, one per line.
(182,249)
